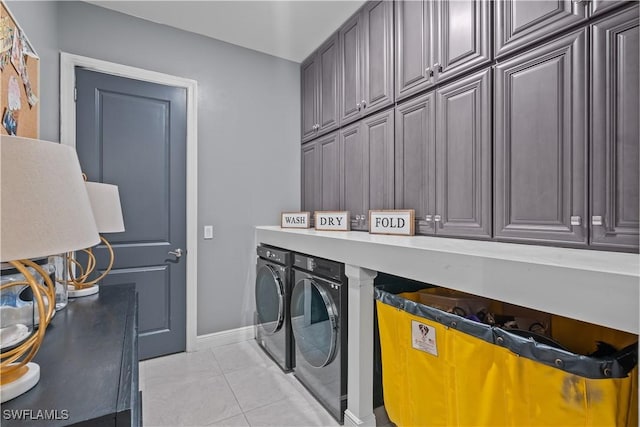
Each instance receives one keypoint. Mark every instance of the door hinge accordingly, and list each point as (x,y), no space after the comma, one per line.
(75,94)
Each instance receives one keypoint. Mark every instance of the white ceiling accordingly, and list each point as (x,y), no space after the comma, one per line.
(287,29)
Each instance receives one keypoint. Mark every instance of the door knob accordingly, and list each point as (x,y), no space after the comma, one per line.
(364,104)
(177,253)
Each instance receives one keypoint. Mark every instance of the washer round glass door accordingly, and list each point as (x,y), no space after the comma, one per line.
(314,323)
(269,299)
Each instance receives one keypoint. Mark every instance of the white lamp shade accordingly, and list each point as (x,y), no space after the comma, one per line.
(105,203)
(44,206)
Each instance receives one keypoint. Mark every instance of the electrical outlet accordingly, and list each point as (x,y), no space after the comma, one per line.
(208,231)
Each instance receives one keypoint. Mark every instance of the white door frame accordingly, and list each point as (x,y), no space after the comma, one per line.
(68,62)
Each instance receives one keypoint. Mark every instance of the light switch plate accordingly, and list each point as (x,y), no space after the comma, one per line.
(208,231)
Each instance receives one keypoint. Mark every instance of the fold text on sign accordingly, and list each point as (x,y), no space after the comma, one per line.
(399,222)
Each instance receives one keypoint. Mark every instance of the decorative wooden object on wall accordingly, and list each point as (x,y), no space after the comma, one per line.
(28,116)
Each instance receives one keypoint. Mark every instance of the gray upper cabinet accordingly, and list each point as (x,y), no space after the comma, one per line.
(601,6)
(377,133)
(366,61)
(519,23)
(328,91)
(310,173)
(350,41)
(367,170)
(436,41)
(320,91)
(413,49)
(377,65)
(464,36)
(415,158)
(443,158)
(615,132)
(463,157)
(309,97)
(321,174)
(540,144)
(329,157)
(352,177)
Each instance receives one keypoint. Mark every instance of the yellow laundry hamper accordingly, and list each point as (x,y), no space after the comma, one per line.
(440,369)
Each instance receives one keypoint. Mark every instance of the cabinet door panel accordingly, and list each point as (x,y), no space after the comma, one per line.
(328,94)
(352,197)
(615,131)
(329,157)
(519,23)
(377,56)
(415,159)
(377,132)
(350,51)
(540,179)
(413,47)
(601,6)
(463,150)
(463,36)
(308,83)
(310,178)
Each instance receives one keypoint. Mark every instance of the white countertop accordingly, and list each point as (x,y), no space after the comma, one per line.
(594,286)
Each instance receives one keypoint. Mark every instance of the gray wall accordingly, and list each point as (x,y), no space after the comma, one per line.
(248,139)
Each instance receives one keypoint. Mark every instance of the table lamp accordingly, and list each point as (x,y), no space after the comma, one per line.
(44,210)
(107,211)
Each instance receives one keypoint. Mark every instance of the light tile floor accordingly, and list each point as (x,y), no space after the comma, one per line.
(232,385)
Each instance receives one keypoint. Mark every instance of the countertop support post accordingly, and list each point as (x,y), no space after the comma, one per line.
(360,358)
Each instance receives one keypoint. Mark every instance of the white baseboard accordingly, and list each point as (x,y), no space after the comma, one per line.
(231,336)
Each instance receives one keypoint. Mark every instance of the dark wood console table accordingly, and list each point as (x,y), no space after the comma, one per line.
(88,366)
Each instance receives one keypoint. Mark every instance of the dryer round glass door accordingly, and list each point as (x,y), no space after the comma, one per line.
(269,300)
(314,322)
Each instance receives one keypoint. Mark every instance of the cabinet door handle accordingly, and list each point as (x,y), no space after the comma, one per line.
(438,67)
(597,220)
(428,218)
(437,218)
(357,217)
(364,104)
(359,106)
(576,220)
(428,72)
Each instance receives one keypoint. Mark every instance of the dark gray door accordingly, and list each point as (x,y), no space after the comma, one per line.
(377,134)
(540,137)
(463,153)
(415,158)
(310,178)
(518,23)
(463,36)
(328,94)
(329,154)
(309,97)
(133,134)
(377,66)
(615,134)
(413,52)
(350,52)
(352,174)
